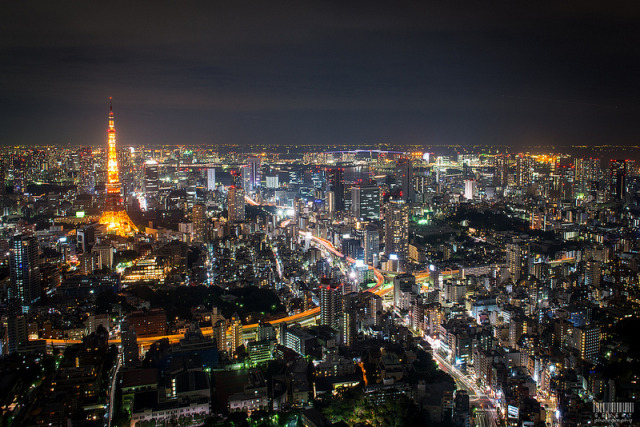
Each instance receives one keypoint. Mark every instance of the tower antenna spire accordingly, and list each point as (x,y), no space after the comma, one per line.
(110,106)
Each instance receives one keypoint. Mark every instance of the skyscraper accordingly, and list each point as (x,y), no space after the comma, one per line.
(371,245)
(524,170)
(501,170)
(114,215)
(151,184)
(254,172)
(396,229)
(335,183)
(516,253)
(587,174)
(211,179)
(235,204)
(129,342)
(199,219)
(24,270)
(618,174)
(404,178)
(365,201)
(469,188)
(330,303)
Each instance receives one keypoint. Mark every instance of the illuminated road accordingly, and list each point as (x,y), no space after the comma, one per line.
(487,413)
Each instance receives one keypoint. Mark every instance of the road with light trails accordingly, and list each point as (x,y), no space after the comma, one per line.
(489,415)
(112,391)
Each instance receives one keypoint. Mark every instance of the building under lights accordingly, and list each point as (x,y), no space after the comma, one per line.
(114,215)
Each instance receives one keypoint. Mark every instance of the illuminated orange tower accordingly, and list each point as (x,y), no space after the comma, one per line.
(114,215)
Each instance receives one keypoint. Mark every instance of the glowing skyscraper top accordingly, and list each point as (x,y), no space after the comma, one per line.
(114,216)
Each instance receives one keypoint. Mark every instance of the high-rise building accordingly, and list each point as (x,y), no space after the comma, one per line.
(469,188)
(151,184)
(199,219)
(129,341)
(618,174)
(371,245)
(330,303)
(396,229)
(211,179)
(236,204)
(114,215)
(17,335)
(524,170)
(587,341)
(516,256)
(403,284)
(254,173)
(236,333)
(501,170)
(587,174)
(24,270)
(365,201)
(404,178)
(349,327)
(335,184)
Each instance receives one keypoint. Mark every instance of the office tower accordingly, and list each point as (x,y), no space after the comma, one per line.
(501,170)
(524,170)
(330,303)
(247,184)
(129,341)
(85,238)
(151,184)
(335,183)
(403,284)
(469,188)
(371,245)
(365,201)
(330,201)
(17,336)
(235,204)
(236,178)
(587,341)
(24,270)
(273,182)
(587,174)
(404,179)
(618,173)
(114,215)
(254,172)
(396,229)
(199,219)
(516,256)
(211,179)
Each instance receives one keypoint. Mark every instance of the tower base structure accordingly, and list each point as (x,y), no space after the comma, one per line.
(118,222)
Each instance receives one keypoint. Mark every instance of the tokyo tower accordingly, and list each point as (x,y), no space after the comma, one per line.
(114,215)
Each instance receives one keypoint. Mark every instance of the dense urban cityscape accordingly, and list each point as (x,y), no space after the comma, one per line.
(195,285)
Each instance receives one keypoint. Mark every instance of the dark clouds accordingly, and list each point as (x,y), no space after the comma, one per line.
(320,72)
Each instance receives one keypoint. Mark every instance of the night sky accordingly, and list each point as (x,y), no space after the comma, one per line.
(276,72)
